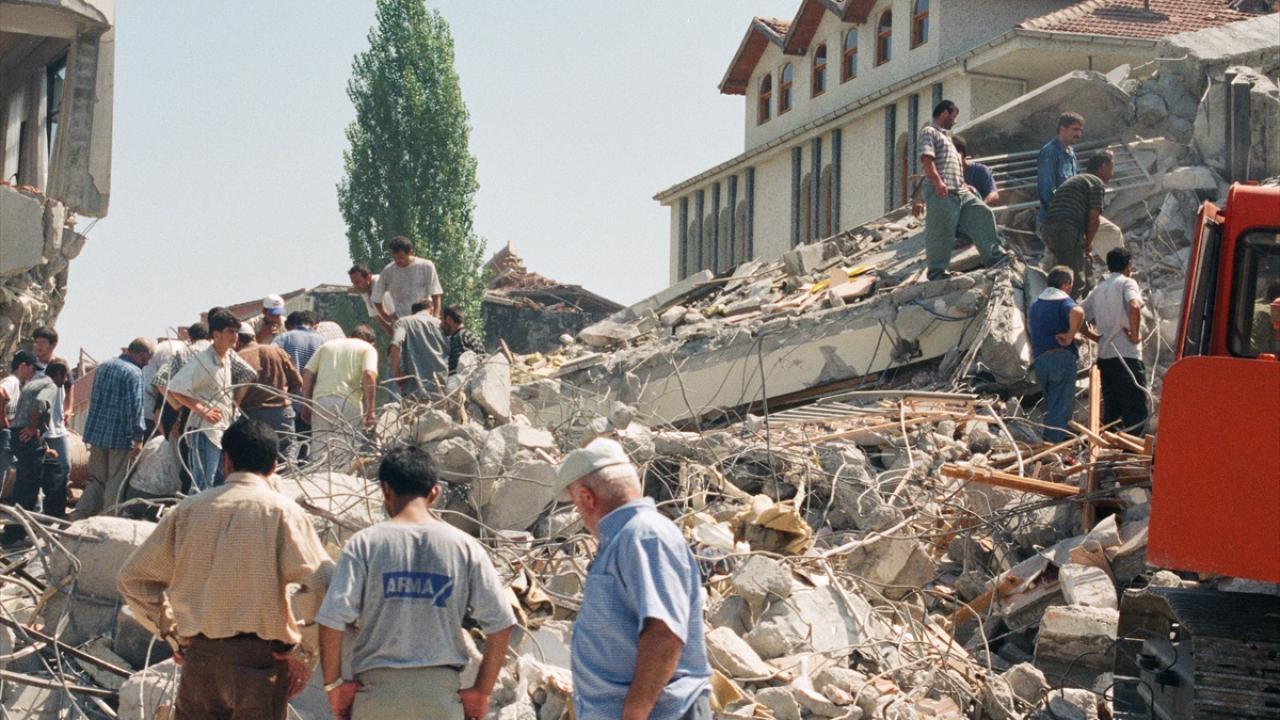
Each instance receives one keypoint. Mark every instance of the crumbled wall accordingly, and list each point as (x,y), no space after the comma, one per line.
(36,247)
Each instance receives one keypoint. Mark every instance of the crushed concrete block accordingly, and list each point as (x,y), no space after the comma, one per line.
(672,316)
(1079,634)
(841,685)
(732,656)
(455,460)
(760,580)
(1010,695)
(433,425)
(1088,586)
(135,643)
(108,542)
(517,499)
(804,259)
(815,702)
(780,701)
(1192,179)
(1166,579)
(818,620)
(22,244)
(1073,704)
(1150,109)
(897,565)
(150,694)
(490,387)
(733,613)
(608,334)
(339,504)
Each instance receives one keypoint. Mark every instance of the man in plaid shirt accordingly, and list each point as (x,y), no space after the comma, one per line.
(950,205)
(460,339)
(116,425)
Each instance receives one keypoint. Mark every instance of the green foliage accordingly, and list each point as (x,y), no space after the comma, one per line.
(409,170)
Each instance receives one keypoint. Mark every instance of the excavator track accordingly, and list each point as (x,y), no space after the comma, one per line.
(1193,653)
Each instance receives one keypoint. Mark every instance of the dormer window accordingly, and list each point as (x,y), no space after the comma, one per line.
(766,94)
(849,68)
(919,23)
(819,75)
(884,37)
(784,89)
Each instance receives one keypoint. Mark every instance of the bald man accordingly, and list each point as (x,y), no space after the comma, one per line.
(115,427)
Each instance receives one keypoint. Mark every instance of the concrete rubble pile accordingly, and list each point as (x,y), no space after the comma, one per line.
(853,453)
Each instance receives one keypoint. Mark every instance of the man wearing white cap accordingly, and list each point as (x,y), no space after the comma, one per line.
(638,648)
(271,322)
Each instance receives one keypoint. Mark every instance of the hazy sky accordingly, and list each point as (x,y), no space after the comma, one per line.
(229,120)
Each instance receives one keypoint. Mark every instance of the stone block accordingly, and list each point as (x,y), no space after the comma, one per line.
(818,620)
(780,701)
(1010,695)
(340,503)
(760,580)
(107,542)
(894,565)
(1088,586)
(1074,633)
(732,656)
(520,497)
(150,694)
(135,643)
(608,334)
(490,387)
(804,259)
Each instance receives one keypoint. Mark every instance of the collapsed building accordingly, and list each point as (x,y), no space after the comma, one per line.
(530,312)
(56,85)
(853,452)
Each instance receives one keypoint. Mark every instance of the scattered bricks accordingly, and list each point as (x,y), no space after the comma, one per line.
(1077,634)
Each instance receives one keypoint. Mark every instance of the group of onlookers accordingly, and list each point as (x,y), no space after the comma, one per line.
(278,367)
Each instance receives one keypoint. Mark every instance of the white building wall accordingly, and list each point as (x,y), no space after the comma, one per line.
(773,204)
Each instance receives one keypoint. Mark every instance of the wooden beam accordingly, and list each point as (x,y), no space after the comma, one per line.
(988,476)
(1088,513)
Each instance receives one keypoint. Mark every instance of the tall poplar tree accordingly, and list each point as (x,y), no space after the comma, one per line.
(409,170)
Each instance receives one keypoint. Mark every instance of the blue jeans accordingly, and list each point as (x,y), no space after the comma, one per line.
(1056,373)
(205,461)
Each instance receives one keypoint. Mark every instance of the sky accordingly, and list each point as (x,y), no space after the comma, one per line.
(228,139)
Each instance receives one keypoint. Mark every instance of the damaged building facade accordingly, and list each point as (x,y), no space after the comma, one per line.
(56,84)
(835,97)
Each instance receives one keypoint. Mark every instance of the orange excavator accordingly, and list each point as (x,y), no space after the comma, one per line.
(1215,507)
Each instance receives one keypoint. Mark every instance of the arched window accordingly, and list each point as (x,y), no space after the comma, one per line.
(919,23)
(766,94)
(784,89)
(819,77)
(884,38)
(849,68)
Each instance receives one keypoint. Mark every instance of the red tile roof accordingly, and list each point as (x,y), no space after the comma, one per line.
(1132,18)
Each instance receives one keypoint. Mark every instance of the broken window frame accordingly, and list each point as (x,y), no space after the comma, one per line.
(1253,249)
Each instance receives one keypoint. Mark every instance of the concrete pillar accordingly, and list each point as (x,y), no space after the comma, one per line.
(732,230)
(796,161)
(836,147)
(890,138)
(815,189)
(751,213)
(684,237)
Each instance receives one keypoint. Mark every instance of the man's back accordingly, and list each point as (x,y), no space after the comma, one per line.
(41,394)
(275,370)
(238,546)
(424,576)
(115,405)
(423,350)
(301,343)
(338,366)
(1074,199)
(1108,306)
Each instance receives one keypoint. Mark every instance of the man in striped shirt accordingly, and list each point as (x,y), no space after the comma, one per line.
(1073,218)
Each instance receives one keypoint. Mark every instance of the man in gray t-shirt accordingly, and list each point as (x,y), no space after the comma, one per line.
(404,281)
(419,352)
(399,594)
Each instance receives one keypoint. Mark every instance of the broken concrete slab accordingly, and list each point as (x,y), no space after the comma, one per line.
(818,620)
(804,259)
(1021,123)
(1077,634)
(107,543)
(732,656)
(490,387)
(780,701)
(760,580)
(1087,586)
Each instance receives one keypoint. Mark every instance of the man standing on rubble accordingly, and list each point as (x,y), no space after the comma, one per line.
(267,398)
(1116,306)
(40,469)
(213,578)
(412,571)
(204,386)
(362,282)
(301,341)
(638,647)
(406,279)
(1055,321)
(44,340)
(950,205)
(461,340)
(341,381)
(115,426)
(21,369)
(1074,217)
(419,352)
(1056,162)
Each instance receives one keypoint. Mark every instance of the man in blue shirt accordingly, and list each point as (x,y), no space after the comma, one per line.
(116,425)
(638,647)
(1057,160)
(1055,321)
(301,341)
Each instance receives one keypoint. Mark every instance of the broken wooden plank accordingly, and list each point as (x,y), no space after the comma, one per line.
(1088,514)
(989,476)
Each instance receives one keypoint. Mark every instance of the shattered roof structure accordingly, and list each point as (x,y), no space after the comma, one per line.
(1139,18)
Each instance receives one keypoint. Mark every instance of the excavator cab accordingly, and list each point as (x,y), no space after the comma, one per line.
(1195,652)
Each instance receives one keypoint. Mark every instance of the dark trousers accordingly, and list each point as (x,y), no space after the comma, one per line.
(235,678)
(37,472)
(302,446)
(1123,396)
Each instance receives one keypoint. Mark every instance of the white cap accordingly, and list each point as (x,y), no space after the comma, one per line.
(247,329)
(273,305)
(597,455)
